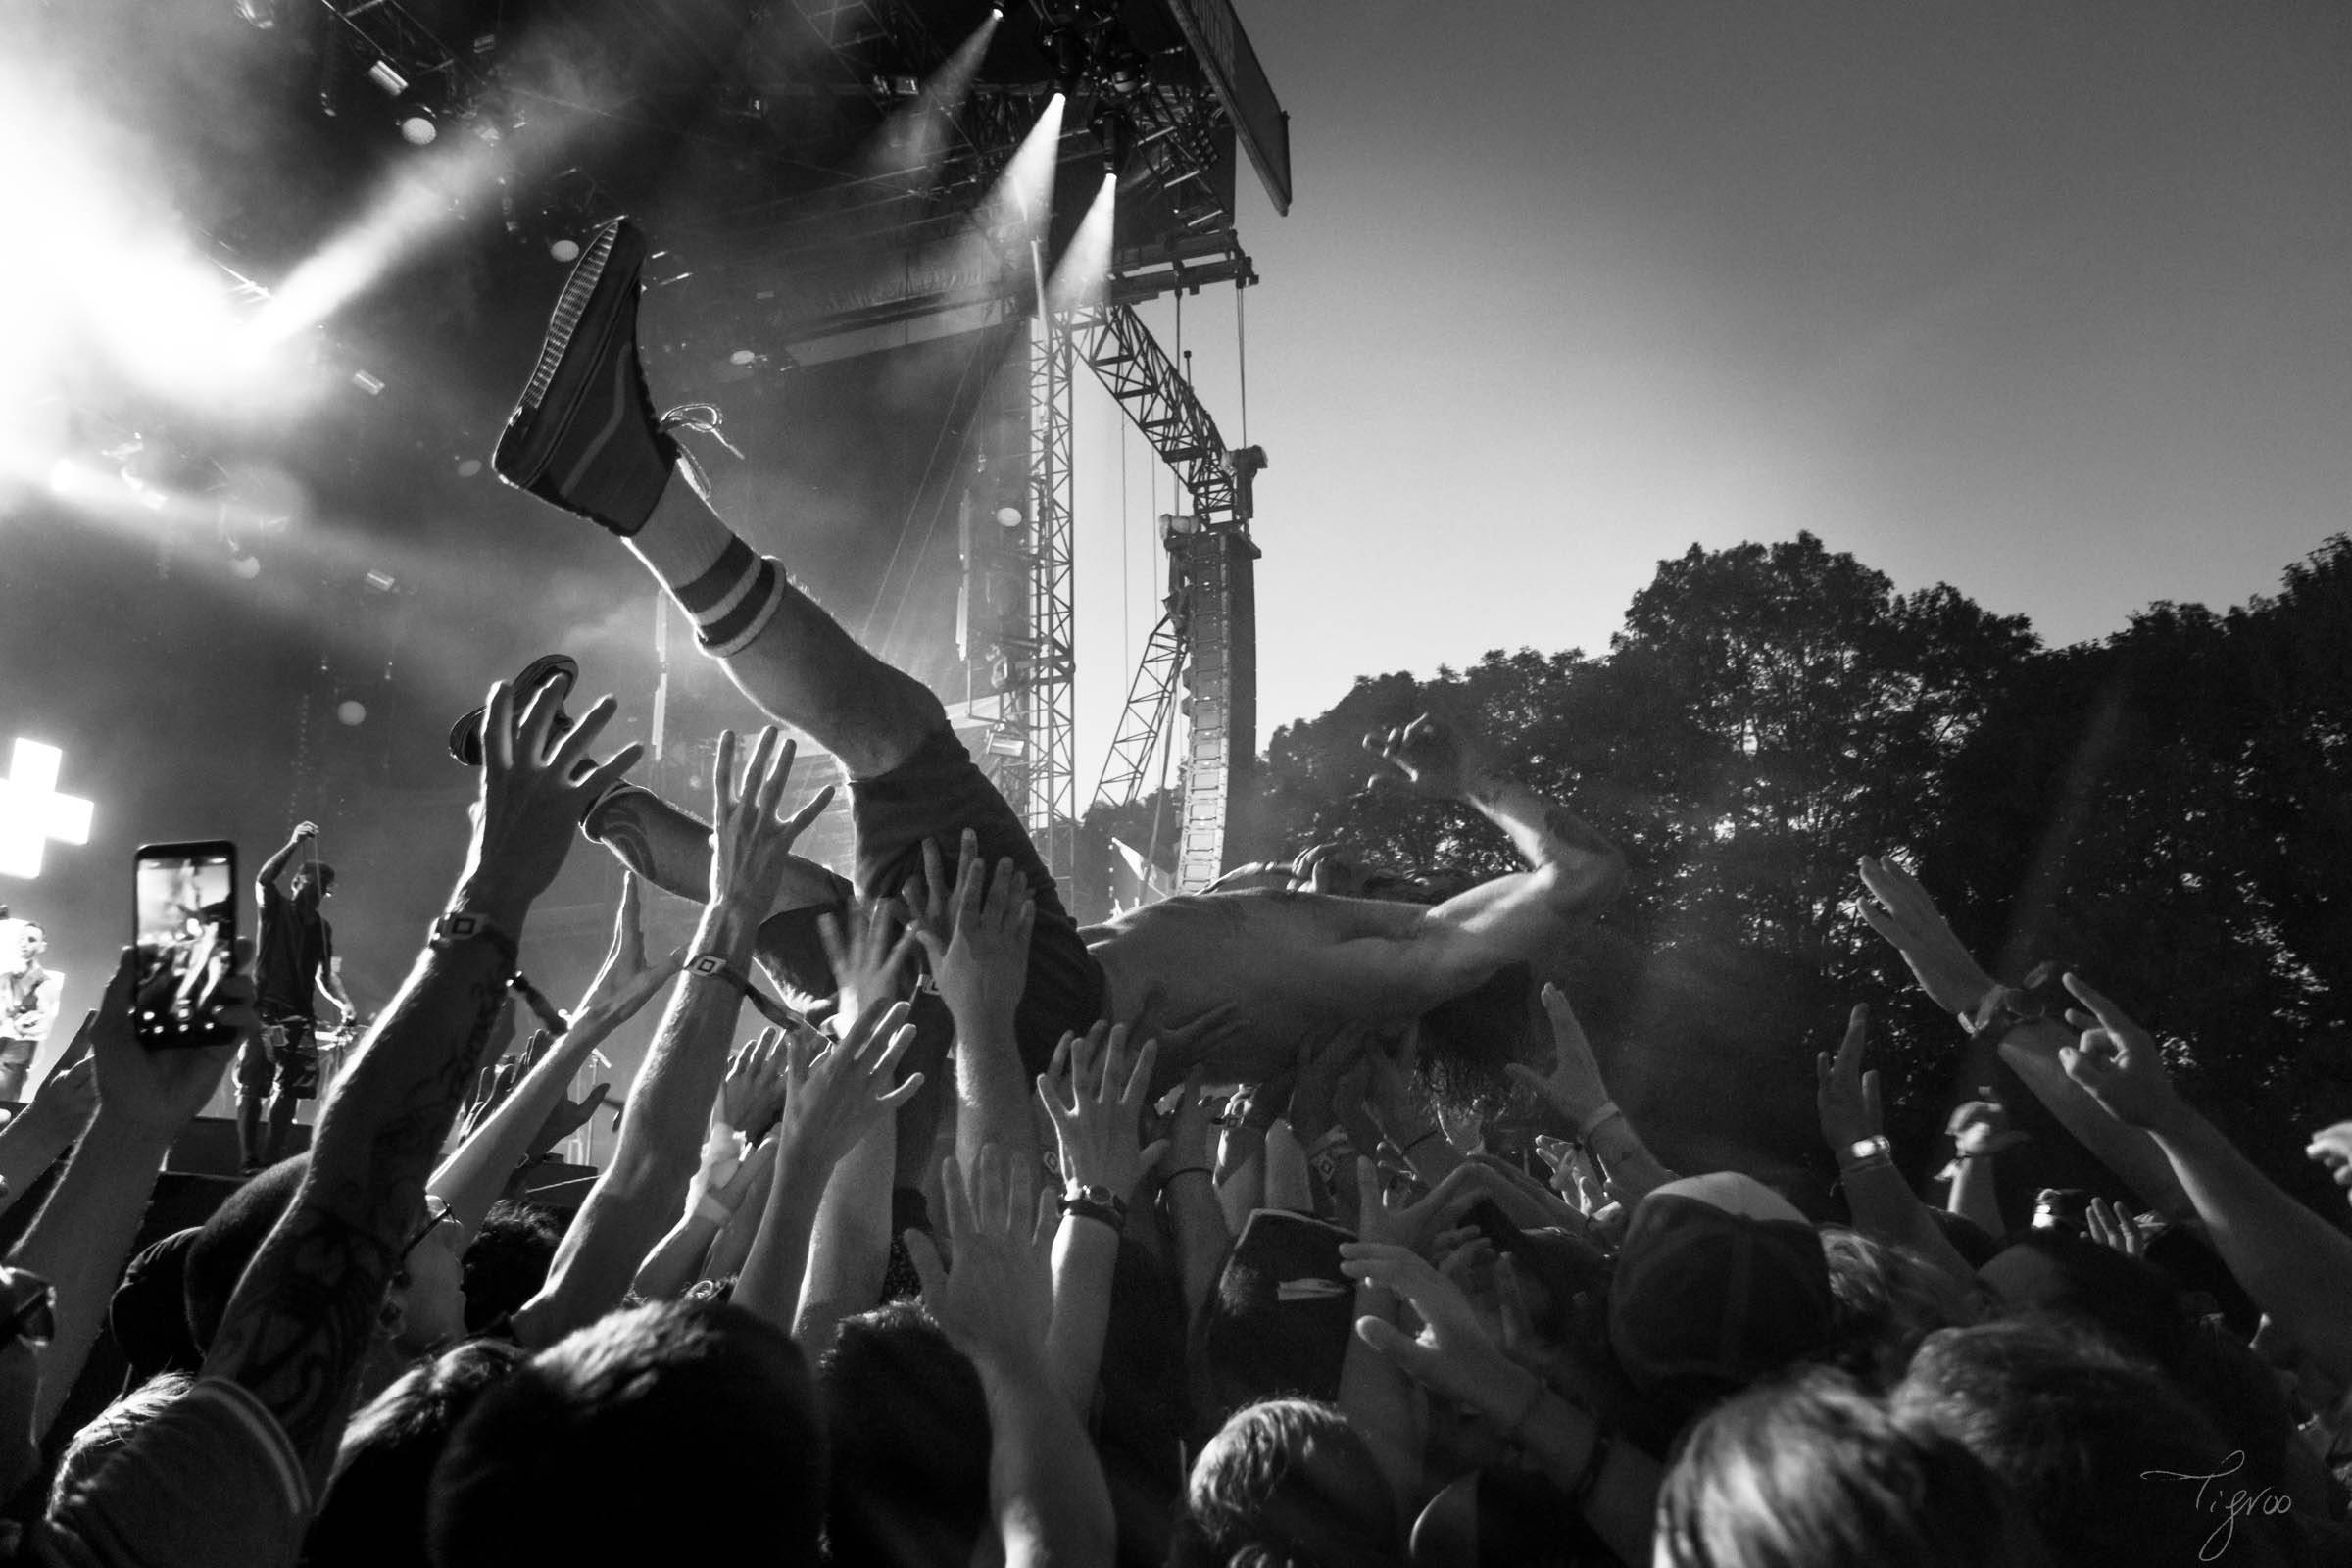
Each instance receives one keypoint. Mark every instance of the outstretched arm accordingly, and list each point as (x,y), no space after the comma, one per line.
(640,1192)
(2298,1267)
(305,1312)
(276,866)
(1899,910)
(1573,872)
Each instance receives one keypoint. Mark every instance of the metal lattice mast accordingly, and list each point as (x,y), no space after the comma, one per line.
(1047,699)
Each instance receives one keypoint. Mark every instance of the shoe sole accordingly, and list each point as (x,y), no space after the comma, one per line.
(528,445)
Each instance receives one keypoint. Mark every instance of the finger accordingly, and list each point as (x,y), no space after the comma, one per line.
(778,774)
(1518,1322)
(895,1048)
(1871,1106)
(1058,1069)
(1151,1153)
(809,814)
(968,885)
(989,1198)
(498,729)
(905,1092)
(1047,1220)
(1369,1199)
(900,951)
(722,780)
(754,768)
(956,1198)
(596,1097)
(575,743)
(2107,1012)
(1849,1050)
(829,937)
(1002,891)
(935,881)
(1139,1080)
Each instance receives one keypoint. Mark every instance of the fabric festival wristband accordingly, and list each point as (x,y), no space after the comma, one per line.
(463,926)
(709,1207)
(1087,1208)
(710,963)
(1592,1124)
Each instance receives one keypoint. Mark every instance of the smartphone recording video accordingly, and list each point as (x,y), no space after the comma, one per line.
(186,909)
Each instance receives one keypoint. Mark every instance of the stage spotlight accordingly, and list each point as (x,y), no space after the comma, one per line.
(244,564)
(742,357)
(371,385)
(1082,276)
(467,468)
(1009,517)
(384,77)
(564,250)
(351,712)
(1172,523)
(417,127)
(382,581)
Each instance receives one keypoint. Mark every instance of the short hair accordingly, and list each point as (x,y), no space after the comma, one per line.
(671,1407)
(35,925)
(1887,1299)
(507,1261)
(1288,1481)
(87,1451)
(372,1514)
(1813,1473)
(2084,1435)
(227,1242)
(317,870)
(907,1422)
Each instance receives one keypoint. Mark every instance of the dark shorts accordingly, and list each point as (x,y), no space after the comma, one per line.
(282,1059)
(936,794)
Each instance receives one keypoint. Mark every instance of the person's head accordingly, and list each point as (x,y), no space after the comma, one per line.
(507,1261)
(148,1314)
(1720,1282)
(31,940)
(673,1409)
(907,1422)
(1889,1298)
(2106,1456)
(1287,1480)
(425,1306)
(113,1427)
(373,1515)
(227,1241)
(27,1319)
(1816,1474)
(2052,1273)
(313,874)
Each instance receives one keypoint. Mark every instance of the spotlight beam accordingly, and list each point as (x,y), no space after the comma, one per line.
(1082,276)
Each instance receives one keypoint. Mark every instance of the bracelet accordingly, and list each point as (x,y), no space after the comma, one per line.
(1592,1124)
(707,1207)
(1187,1170)
(463,925)
(1083,1209)
(1535,1400)
(1862,1152)
(710,963)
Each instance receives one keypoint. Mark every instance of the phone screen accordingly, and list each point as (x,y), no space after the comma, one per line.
(186,907)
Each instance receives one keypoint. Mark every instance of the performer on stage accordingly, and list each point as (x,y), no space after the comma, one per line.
(28,1000)
(585,437)
(295,957)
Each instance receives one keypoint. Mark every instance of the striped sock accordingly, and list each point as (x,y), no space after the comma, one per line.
(732,601)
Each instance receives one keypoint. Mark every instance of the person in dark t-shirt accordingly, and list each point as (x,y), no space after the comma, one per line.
(295,956)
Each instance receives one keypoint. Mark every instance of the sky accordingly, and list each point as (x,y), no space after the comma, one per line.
(2051,303)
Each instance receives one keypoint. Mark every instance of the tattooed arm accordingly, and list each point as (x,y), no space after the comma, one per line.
(1573,872)
(303,1316)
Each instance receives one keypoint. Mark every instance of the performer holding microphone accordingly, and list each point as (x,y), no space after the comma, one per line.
(28,999)
(295,957)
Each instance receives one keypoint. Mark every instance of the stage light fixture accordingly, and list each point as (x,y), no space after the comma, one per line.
(564,250)
(351,713)
(467,468)
(243,564)
(384,77)
(417,127)
(373,386)
(382,581)
(742,357)
(1009,517)
(1178,522)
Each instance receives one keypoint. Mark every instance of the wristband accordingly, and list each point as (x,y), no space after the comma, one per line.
(1187,1170)
(1592,1124)
(462,925)
(707,1207)
(710,963)
(1875,1149)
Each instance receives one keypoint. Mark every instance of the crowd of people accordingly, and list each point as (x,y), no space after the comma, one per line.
(996,1237)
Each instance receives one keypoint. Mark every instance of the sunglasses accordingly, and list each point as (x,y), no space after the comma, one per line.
(29,1304)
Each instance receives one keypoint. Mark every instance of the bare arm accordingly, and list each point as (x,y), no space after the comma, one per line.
(1852,1124)
(276,866)
(61,1108)
(639,1193)
(977,938)
(1094,1092)
(305,1312)
(1577,1094)
(473,1175)
(84,1234)
(1573,871)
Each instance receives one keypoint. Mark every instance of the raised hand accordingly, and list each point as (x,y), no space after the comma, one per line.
(1574,1087)
(2331,1146)
(1904,914)
(1435,757)
(2112,1226)
(627,981)
(996,1304)
(161,1090)
(835,1096)
(750,843)
(305,830)
(68,1096)
(530,802)
(1453,1355)
(565,1118)
(753,1091)
(975,935)
(1188,1132)
(866,962)
(1846,1097)
(2118,1063)
(1321,1064)
(1981,1127)
(1095,1091)
(1194,1042)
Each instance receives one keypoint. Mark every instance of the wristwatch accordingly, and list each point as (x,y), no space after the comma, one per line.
(462,925)
(1089,1202)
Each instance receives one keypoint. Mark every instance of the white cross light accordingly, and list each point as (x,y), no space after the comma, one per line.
(31,812)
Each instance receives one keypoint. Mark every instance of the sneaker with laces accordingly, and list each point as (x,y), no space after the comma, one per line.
(584,436)
(562,671)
